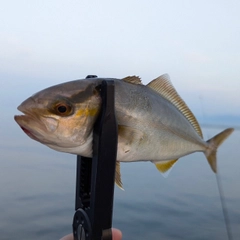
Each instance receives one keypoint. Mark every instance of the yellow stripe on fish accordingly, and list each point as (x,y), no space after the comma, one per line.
(87,112)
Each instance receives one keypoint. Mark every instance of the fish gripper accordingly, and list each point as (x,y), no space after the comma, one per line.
(95,176)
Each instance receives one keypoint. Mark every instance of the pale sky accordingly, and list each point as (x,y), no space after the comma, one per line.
(197,43)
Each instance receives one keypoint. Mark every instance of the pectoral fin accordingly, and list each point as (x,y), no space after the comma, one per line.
(118,180)
(165,166)
(129,137)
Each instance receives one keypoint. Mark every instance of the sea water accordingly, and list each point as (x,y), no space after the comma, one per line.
(37,193)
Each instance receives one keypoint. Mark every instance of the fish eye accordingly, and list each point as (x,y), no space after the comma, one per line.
(63,109)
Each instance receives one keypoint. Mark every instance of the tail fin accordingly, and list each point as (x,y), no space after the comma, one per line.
(214,143)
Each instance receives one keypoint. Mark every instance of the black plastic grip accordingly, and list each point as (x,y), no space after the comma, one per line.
(95,177)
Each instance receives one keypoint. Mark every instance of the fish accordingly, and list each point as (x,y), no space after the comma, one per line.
(154,122)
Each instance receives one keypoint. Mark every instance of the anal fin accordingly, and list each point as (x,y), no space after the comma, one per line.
(165,166)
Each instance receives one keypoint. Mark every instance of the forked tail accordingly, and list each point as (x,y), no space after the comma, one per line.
(214,143)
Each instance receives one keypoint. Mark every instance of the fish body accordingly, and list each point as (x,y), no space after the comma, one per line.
(154,123)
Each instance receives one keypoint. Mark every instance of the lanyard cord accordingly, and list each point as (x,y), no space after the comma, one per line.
(224,207)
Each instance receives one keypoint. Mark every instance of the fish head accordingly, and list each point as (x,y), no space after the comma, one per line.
(62,116)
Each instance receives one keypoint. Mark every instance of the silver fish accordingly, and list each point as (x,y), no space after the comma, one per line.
(154,123)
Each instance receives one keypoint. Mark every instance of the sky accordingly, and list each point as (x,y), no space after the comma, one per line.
(197,43)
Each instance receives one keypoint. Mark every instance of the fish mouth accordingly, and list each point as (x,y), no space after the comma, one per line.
(27,131)
(31,125)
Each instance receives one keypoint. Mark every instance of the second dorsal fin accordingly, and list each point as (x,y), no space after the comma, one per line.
(164,87)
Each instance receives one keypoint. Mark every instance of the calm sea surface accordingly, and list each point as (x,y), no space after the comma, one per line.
(37,193)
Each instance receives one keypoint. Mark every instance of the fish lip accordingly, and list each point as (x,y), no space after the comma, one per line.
(25,111)
(23,122)
(27,104)
(25,129)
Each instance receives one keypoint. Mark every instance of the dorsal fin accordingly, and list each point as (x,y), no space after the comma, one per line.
(132,79)
(164,87)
